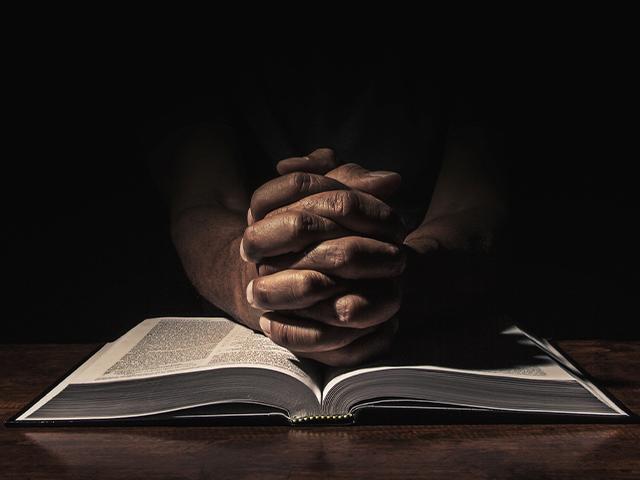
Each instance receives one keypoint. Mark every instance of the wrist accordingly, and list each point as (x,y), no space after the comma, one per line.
(208,243)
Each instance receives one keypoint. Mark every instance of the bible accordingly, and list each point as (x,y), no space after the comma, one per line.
(191,369)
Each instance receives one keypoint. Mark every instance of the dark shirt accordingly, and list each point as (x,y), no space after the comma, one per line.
(385,108)
(374,108)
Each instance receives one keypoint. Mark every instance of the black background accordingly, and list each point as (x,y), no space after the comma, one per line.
(88,253)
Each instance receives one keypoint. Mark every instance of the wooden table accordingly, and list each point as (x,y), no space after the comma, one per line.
(437,451)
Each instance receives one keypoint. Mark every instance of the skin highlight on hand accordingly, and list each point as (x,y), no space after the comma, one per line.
(291,289)
(351,257)
(303,176)
(290,231)
(353,210)
(306,336)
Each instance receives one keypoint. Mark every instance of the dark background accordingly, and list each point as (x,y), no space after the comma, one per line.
(88,253)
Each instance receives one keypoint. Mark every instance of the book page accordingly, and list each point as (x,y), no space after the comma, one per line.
(509,353)
(161,346)
(173,345)
(509,371)
(588,384)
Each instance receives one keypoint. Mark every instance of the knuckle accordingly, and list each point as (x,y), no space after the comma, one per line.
(312,282)
(335,255)
(348,169)
(385,213)
(328,155)
(343,202)
(301,182)
(307,283)
(324,159)
(301,222)
(344,253)
(350,251)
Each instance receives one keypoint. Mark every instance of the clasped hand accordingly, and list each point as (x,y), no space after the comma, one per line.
(328,252)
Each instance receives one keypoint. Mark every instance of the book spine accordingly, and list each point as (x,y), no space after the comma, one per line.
(339,419)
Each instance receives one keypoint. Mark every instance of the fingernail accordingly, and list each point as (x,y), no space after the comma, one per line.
(249,293)
(249,217)
(265,325)
(243,254)
(381,174)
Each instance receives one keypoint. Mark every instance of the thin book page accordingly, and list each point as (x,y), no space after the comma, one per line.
(61,386)
(174,345)
(171,345)
(586,383)
(534,364)
(516,355)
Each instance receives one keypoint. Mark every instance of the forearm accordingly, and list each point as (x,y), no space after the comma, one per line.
(475,231)
(452,252)
(207,239)
(208,203)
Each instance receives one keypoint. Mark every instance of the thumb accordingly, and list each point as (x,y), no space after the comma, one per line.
(379,183)
(319,161)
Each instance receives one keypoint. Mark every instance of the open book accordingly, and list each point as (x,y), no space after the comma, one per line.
(186,368)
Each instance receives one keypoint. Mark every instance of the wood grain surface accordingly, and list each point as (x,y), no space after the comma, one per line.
(419,451)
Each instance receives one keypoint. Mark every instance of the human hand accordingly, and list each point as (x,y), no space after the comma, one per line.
(329,255)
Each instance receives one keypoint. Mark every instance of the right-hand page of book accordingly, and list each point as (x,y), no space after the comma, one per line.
(506,370)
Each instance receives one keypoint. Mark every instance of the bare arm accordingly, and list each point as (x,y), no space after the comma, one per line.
(200,172)
(208,205)
(456,241)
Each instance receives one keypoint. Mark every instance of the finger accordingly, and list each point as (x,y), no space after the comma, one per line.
(362,309)
(364,348)
(347,257)
(290,231)
(304,335)
(381,183)
(319,161)
(291,289)
(288,189)
(357,211)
